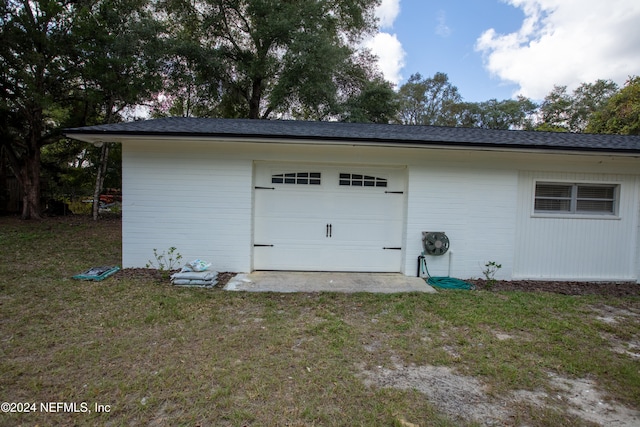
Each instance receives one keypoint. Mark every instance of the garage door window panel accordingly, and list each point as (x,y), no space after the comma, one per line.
(359,180)
(298,178)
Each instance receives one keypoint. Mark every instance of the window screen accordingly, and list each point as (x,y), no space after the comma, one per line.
(553,197)
(576,198)
(599,199)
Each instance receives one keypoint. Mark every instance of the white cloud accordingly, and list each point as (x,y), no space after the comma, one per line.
(565,42)
(442,29)
(386,46)
(390,55)
(387,12)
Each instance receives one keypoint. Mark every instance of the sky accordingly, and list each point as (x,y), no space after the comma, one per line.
(504,48)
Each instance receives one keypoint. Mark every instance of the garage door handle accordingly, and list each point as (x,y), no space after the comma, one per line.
(328,231)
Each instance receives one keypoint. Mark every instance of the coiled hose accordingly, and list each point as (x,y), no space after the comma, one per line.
(441,282)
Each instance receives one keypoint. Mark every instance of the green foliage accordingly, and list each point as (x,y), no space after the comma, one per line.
(621,114)
(494,114)
(428,101)
(240,58)
(564,112)
(36,81)
(436,101)
(78,207)
(116,41)
(490,270)
(555,110)
(376,103)
(69,168)
(69,64)
(165,262)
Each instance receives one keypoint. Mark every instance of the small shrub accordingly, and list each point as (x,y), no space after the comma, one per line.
(490,270)
(165,262)
(79,207)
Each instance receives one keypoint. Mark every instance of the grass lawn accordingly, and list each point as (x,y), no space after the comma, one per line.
(153,354)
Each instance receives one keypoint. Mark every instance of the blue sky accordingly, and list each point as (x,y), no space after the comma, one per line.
(501,48)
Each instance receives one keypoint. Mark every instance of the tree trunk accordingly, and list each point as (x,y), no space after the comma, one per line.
(254,101)
(30,181)
(102,170)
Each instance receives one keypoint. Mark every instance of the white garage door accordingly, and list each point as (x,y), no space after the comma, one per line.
(328,218)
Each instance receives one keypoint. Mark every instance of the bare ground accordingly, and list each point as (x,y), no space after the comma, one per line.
(614,289)
(466,398)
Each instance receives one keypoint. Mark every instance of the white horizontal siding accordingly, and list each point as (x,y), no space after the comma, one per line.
(576,248)
(197,196)
(187,196)
(475,207)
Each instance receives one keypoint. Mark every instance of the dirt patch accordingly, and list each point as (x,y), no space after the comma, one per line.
(466,398)
(609,314)
(629,347)
(615,289)
(586,402)
(456,395)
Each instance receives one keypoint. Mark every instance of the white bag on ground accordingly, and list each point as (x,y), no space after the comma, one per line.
(196,265)
(205,276)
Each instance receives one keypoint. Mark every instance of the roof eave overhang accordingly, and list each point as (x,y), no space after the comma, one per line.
(99,139)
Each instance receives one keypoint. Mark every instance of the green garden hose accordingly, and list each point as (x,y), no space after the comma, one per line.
(443,282)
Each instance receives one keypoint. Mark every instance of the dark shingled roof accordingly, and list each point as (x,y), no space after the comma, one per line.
(362,133)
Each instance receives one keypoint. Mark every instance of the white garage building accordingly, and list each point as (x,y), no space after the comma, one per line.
(322,196)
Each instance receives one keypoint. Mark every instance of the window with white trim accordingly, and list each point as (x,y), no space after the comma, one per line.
(579,199)
(304,178)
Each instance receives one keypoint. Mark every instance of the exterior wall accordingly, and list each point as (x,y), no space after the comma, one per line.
(472,203)
(189,196)
(577,247)
(198,196)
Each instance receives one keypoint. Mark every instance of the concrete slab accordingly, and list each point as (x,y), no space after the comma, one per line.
(294,281)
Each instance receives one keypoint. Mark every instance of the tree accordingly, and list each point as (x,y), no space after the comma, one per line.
(621,113)
(429,101)
(69,63)
(588,99)
(118,50)
(376,103)
(255,58)
(118,55)
(564,112)
(555,111)
(36,70)
(494,114)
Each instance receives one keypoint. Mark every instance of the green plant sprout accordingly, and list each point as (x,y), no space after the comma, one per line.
(490,270)
(165,262)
